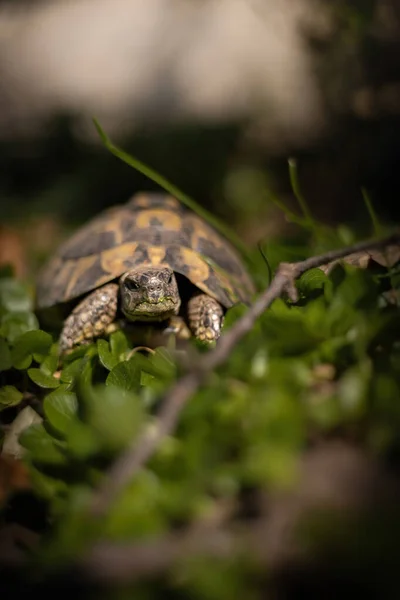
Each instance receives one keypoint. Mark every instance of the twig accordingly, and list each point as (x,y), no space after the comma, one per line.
(113,562)
(271,539)
(132,460)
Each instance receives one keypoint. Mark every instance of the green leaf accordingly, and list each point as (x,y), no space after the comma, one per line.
(157,371)
(86,375)
(71,371)
(42,379)
(81,440)
(46,486)
(287,331)
(32,342)
(9,396)
(5,356)
(118,344)
(49,364)
(160,364)
(14,324)
(60,408)
(233,314)
(336,276)
(82,373)
(125,375)
(107,359)
(42,446)
(78,352)
(358,289)
(135,512)
(312,280)
(115,415)
(14,296)
(146,379)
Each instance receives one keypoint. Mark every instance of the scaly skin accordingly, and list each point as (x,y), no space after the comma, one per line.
(146,294)
(149,294)
(205,317)
(91,318)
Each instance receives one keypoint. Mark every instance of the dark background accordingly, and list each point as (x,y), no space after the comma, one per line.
(215,99)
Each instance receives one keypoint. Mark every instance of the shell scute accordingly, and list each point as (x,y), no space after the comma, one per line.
(150,229)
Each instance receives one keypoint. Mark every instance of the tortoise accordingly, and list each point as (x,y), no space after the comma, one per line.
(147,261)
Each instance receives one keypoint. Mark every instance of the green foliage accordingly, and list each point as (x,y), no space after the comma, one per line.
(9,396)
(329,362)
(28,346)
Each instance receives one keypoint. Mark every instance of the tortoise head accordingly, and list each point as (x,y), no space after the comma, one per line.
(149,293)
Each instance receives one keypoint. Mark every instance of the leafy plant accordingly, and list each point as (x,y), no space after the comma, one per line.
(328,363)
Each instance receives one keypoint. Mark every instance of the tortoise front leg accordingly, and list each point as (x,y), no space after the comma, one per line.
(91,318)
(205,317)
(178,328)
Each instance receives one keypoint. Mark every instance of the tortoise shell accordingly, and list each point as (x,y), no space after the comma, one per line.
(150,229)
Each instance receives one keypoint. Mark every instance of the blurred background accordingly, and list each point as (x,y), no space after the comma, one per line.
(215,95)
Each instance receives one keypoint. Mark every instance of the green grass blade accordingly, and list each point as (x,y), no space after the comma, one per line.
(291,217)
(378,229)
(172,189)
(294,182)
(266,261)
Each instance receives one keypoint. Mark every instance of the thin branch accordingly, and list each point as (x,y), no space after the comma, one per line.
(271,538)
(133,459)
(112,562)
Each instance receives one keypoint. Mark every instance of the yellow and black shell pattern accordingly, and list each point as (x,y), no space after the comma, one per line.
(151,229)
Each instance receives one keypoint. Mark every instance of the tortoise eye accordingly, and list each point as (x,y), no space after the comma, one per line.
(131,285)
(169,280)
